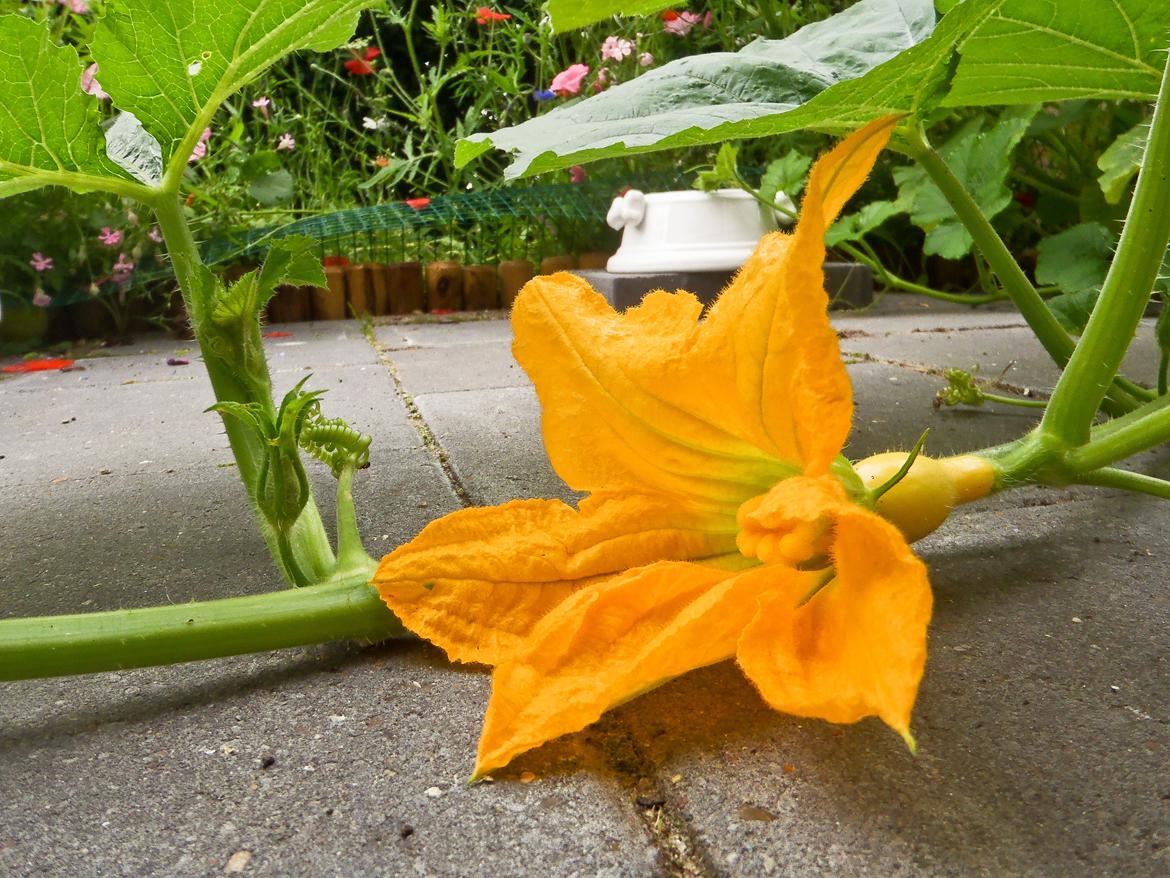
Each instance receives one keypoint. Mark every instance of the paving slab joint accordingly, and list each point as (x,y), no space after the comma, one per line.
(429,440)
(682,855)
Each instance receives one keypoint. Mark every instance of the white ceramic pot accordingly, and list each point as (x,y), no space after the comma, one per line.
(687,230)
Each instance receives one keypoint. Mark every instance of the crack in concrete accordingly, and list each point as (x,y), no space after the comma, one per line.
(429,440)
(681,853)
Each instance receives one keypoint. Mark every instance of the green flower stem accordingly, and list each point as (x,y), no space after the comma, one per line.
(1126,290)
(307,541)
(346,608)
(351,555)
(1128,481)
(1015,283)
(1014,400)
(888,279)
(1132,437)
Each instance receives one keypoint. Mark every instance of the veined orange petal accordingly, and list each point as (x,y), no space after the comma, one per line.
(650,400)
(612,641)
(771,324)
(625,403)
(858,647)
(476,581)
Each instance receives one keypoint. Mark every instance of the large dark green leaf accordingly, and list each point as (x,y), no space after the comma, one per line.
(980,155)
(875,58)
(1053,50)
(570,14)
(48,126)
(173,62)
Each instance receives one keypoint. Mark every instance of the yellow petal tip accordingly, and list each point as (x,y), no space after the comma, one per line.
(911,744)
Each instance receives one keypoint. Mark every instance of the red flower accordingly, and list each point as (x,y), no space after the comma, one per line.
(335,261)
(417,203)
(669,15)
(484,15)
(38,366)
(362,66)
(1025,200)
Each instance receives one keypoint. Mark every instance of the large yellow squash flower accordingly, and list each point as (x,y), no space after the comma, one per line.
(720,519)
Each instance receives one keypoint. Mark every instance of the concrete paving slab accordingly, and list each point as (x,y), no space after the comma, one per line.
(142,539)
(76,424)
(1031,762)
(449,334)
(492,439)
(471,366)
(1042,723)
(977,343)
(320,762)
(318,345)
(66,430)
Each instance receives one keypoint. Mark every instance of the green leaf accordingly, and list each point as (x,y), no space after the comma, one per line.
(981,158)
(855,226)
(273,188)
(876,58)
(723,174)
(173,63)
(571,14)
(1076,259)
(1034,51)
(49,127)
(293,260)
(1073,310)
(786,174)
(1121,161)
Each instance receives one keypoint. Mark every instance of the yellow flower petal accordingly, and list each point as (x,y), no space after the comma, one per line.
(771,330)
(625,404)
(858,647)
(476,581)
(650,400)
(610,642)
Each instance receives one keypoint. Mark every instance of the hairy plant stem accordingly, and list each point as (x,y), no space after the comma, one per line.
(1125,293)
(1015,283)
(234,380)
(343,608)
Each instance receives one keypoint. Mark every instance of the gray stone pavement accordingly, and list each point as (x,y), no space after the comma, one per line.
(1043,721)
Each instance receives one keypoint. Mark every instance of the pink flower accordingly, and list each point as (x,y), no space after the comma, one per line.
(645,59)
(286,142)
(262,104)
(568,81)
(681,24)
(708,18)
(577,174)
(41,262)
(90,85)
(602,80)
(200,149)
(155,235)
(110,237)
(80,7)
(615,49)
(42,299)
(122,269)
